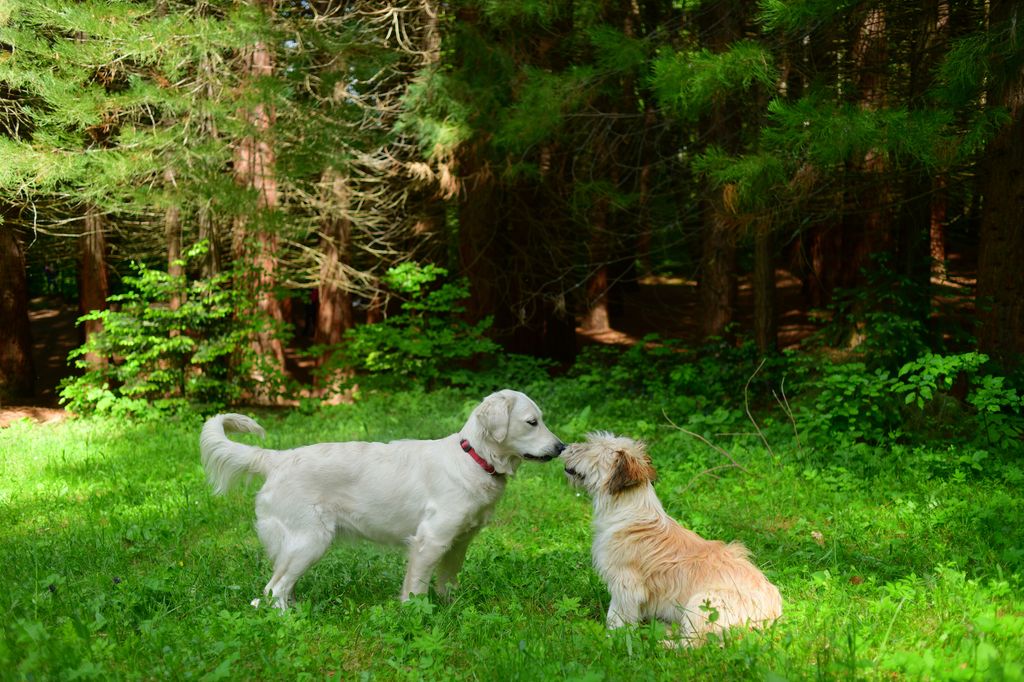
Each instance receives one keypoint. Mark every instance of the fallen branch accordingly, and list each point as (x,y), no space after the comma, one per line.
(733,464)
(704,440)
(784,404)
(706,472)
(746,406)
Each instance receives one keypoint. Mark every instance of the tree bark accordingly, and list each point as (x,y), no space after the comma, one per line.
(766,331)
(823,255)
(172,225)
(867,220)
(211,264)
(596,318)
(717,285)
(93,279)
(722,24)
(1001,251)
(17,373)
(254,167)
(921,244)
(478,214)
(937,228)
(645,236)
(334,309)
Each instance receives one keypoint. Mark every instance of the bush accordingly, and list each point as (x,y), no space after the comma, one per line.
(994,417)
(157,358)
(428,342)
(844,400)
(883,319)
(931,397)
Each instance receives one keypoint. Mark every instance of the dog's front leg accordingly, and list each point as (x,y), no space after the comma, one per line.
(451,563)
(425,551)
(625,605)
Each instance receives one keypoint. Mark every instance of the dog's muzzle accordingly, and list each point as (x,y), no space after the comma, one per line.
(575,474)
(545,458)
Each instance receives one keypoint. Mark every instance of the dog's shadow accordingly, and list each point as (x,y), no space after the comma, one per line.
(363,575)
(354,571)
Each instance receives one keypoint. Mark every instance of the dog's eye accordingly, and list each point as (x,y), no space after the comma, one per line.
(532,421)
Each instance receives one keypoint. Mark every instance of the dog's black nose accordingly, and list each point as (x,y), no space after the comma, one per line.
(560,447)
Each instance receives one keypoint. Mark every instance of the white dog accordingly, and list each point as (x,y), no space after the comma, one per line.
(431,495)
(653,567)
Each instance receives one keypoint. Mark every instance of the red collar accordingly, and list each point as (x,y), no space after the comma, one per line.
(484,464)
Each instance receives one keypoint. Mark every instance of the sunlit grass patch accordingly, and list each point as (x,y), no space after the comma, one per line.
(124,565)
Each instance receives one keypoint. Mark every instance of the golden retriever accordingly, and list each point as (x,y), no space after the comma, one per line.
(432,496)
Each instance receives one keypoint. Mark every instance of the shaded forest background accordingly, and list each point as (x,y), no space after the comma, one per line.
(253,200)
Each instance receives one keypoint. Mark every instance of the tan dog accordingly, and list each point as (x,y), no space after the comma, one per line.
(653,567)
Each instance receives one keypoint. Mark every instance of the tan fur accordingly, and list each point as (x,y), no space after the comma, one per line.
(655,568)
(629,471)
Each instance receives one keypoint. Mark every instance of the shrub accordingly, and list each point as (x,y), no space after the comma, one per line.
(845,400)
(995,407)
(156,357)
(428,342)
(883,319)
(931,397)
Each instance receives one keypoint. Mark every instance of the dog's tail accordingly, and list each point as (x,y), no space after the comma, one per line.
(225,460)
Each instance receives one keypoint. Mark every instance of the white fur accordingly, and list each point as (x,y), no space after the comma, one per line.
(429,495)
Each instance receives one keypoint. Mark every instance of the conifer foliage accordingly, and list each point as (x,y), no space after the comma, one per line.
(553,154)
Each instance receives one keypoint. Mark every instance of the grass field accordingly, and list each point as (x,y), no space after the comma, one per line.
(119,562)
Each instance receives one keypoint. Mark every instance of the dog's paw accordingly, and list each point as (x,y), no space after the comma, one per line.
(255,603)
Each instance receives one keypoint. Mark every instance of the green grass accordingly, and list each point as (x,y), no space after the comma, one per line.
(119,563)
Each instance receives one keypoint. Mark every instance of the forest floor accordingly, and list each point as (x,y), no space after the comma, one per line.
(670,306)
(54,335)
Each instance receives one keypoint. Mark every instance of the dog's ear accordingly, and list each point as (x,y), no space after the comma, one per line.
(494,416)
(630,470)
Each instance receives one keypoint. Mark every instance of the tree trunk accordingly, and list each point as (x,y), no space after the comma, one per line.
(93,280)
(596,318)
(867,220)
(478,214)
(722,24)
(17,373)
(766,332)
(334,305)
(172,225)
(1001,251)
(254,167)
(717,285)
(644,19)
(921,247)
(211,264)
(949,21)
(937,228)
(645,237)
(823,255)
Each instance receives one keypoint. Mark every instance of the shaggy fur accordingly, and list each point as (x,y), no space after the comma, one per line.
(653,567)
(429,495)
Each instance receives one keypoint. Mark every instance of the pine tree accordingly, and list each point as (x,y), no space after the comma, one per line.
(17,373)
(1000,285)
